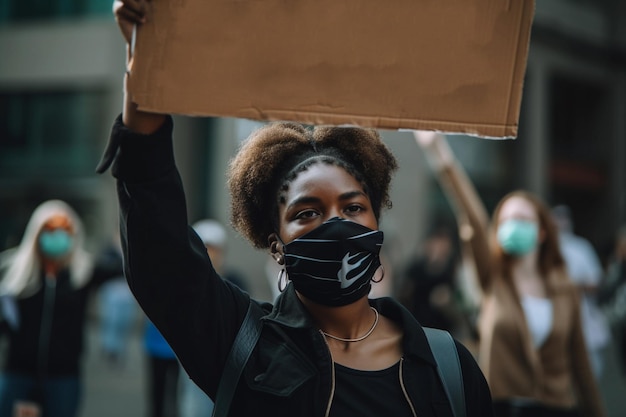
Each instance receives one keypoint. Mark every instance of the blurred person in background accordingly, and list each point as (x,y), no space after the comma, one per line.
(117,308)
(428,288)
(612,294)
(531,347)
(163,373)
(213,235)
(45,283)
(194,402)
(585,270)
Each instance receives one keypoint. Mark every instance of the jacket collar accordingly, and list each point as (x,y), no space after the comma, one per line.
(289,312)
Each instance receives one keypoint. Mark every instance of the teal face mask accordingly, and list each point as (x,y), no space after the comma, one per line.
(518,237)
(56,243)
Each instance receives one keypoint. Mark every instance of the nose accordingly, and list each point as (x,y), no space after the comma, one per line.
(332,212)
(333,216)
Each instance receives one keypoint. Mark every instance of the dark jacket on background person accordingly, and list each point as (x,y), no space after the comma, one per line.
(35,350)
(290,372)
(44,320)
(422,281)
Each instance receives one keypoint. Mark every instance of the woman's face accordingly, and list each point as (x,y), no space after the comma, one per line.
(321,193)
(518,232)
(518,208)
(55,238)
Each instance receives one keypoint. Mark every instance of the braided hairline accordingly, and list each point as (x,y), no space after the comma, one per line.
(328,159)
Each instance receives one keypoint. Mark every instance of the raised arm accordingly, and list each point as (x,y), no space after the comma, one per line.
(472,217)
(165,262)
(129,14)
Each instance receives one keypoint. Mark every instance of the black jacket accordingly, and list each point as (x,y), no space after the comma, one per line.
(61,310)
(168,270)
(50,338)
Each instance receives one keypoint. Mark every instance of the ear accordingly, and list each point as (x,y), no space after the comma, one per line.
(276,248)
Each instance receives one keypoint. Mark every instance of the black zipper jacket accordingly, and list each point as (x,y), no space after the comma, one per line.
(50,337)
(168,270)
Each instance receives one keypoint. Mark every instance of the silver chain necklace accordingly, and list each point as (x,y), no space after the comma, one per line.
(358,339)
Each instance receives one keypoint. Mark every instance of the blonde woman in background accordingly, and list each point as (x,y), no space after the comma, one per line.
(44,288)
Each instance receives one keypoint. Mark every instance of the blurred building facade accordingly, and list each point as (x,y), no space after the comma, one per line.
(61,88)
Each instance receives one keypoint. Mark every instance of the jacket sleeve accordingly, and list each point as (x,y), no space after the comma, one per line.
(166,265)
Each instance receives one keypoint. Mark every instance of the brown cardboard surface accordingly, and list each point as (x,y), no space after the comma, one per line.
(448,65)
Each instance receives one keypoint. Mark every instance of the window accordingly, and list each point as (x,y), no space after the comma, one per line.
(20,10)
(49,134)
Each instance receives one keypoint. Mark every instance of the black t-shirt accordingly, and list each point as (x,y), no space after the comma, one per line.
(369,393)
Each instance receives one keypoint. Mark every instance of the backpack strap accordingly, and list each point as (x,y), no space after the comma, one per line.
(448,367)
(243,345)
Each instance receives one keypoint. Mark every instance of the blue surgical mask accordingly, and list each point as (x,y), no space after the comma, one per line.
(55,243)
(518,237)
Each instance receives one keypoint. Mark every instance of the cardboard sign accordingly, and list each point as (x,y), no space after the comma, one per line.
(448,65)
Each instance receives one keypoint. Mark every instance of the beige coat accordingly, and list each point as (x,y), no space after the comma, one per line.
(558,373)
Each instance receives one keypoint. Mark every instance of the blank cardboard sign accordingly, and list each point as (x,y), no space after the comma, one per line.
(448,65)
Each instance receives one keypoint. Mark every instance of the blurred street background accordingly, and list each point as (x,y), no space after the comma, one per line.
(114,390)
(121,392)
(61,66)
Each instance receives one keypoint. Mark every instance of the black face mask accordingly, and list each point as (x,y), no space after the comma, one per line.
(334,263)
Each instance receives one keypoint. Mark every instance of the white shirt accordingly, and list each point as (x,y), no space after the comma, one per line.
(539,317)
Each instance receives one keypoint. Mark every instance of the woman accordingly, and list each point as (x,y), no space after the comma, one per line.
(162,373)
(429,284)
(44,288)
(532,349)
(324,349)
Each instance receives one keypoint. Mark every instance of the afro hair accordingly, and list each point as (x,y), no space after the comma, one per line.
(274,155)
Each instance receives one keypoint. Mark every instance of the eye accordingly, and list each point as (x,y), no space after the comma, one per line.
(306,214)
(354,209)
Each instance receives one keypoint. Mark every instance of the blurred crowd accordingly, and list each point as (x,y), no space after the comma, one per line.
(438,285)
(50,286)
(49,283)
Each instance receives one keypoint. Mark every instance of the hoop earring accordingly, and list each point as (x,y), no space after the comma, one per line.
(376,281)
(282,280)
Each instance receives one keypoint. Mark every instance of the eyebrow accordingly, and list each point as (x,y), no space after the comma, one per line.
(352,194)
(309,199)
